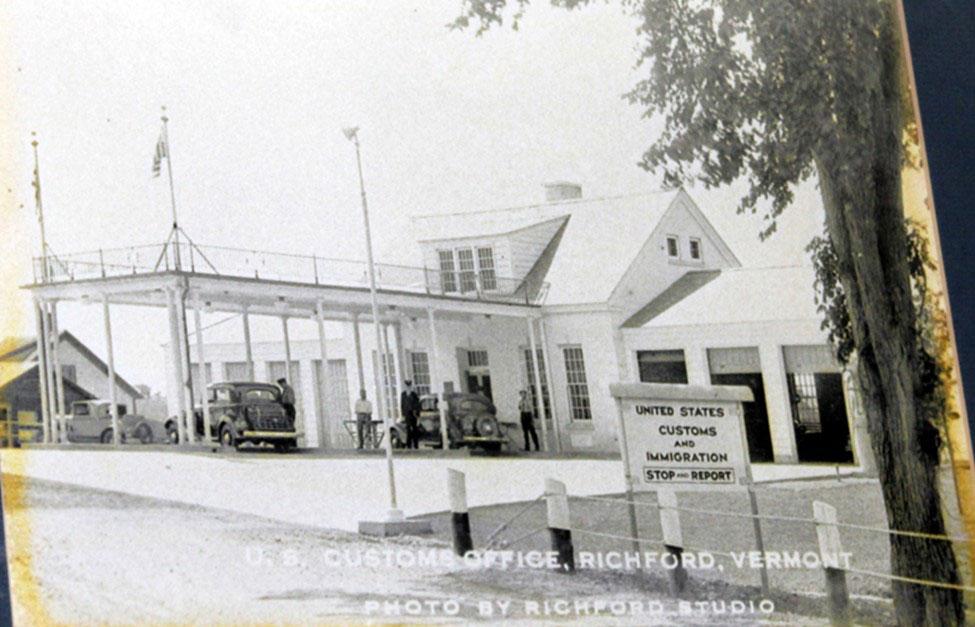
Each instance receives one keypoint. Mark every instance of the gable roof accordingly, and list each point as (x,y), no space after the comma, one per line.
(735,295)
(12,371)
(24,350)
(599,241)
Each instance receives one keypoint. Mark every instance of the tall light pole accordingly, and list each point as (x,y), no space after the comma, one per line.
(395,514)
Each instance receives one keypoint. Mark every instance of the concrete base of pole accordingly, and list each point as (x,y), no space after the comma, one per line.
(395,525)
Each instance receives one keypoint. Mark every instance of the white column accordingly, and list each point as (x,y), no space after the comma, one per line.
(175,353)
(698,368)
(398,362)
(393,393)
(539,403)
(110,353)
(52,404)
(247,346)
(299,410)
(201,359)
(323,379)
(435,380)
(358,353)
(60,409)
(184,345)
(777,401)
(41,368)
(548,378)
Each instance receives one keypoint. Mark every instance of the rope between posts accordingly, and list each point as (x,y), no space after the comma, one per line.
(616,537)
(792,519)
(910,534)
(491,537)
(914,580)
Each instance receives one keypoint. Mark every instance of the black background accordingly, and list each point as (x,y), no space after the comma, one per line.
(942,42)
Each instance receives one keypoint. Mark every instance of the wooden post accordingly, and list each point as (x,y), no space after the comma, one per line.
(201,359)
(40,314)
(110,355)
(673,539)
(557,508)
(828,534)
(460,520)
(537,382)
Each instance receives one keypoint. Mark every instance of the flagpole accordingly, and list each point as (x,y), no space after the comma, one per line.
(39,205)
(172,192)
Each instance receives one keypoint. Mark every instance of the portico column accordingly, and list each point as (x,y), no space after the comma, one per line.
(539,402)
(110,353)
(52,404)
(398,359)
(175,353)
(187,384)
(391,392)
(322,379)
(779,406)
(60,409)
(42,368)
(249,355)
(201,359)
(358,352)
(548,378)
(435,381)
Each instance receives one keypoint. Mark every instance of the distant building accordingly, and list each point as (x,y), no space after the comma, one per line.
(85,376)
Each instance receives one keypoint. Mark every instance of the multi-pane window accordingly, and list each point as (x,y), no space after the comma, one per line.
(578,387)
(530,378)
(467,270)
(485,262)
(465,263)
(695,248)
(673,247)
(420,367)
(448,280)
(237,371)
(477,358)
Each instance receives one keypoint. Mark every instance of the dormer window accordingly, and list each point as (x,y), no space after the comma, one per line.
(673,247)
(467,270)
(695,249)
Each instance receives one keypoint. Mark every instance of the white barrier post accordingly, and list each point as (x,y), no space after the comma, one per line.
(830,548)
(673,539)
(459,517)
(557,508)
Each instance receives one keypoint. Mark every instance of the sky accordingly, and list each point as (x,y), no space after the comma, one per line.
(257,94)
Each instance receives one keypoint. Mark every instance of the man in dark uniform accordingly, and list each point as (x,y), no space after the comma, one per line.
(527,410)
(409,405)
(287,398)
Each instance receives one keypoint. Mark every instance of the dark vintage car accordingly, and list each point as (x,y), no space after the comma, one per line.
(244,412)
(471,421)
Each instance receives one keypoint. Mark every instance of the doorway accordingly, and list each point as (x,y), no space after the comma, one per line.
(475,371)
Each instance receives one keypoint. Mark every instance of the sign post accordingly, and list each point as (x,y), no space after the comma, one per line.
(685,438)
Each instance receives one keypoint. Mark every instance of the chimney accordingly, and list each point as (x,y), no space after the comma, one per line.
(562,190)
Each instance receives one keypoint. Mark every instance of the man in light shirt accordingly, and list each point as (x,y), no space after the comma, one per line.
(363,418)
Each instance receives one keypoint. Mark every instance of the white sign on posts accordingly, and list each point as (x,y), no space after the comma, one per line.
(683,437)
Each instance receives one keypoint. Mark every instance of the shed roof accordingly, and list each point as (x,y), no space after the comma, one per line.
(732,296)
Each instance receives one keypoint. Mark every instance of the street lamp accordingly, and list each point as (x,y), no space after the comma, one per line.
(395,514)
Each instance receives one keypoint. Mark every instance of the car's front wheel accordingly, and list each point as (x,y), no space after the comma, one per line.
(285,445)
(172,433)
(227,437)
(395,439)
(106,437)
(144,434)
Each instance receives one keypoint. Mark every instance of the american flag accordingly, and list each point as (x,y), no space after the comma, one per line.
(161,151)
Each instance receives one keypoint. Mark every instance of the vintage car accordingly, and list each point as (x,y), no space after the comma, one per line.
(243,412)
(91,421)
(471,421)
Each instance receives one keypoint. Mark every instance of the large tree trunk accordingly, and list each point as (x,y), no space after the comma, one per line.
(865,222)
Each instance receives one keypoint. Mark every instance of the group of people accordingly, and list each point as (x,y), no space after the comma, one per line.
(409,405)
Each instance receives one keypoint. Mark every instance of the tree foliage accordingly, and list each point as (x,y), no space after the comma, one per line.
(774,92)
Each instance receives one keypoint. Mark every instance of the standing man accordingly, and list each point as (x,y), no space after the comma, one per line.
(409,404)
(527,410)
(363,419)
(287,398)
